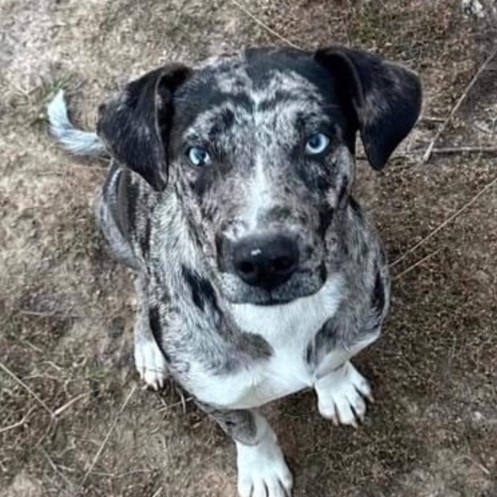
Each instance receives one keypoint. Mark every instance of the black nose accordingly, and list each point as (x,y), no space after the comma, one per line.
(265,261)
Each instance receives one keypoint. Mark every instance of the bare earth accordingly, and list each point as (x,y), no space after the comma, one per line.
(73,418)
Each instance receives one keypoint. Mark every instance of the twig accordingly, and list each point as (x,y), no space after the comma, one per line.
(34,347)
(416,264)
(86,167)
(471,149)
(483,468)
(181,402)
(430,119)
(429,150)
(49,314)
(15,425)
(120,475)
(464,149)
(20,382)
(106,439)
(182,397)
(156,494)
(43,314)
(19,423)
(486,130)
(446,222)
(265,26)
(62,408)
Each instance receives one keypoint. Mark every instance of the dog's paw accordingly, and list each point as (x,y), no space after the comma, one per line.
(262,471)
(150,363)
(341,395)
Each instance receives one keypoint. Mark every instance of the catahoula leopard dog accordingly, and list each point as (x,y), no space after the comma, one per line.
(229,194)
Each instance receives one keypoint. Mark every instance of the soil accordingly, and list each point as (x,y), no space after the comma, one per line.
(73,417)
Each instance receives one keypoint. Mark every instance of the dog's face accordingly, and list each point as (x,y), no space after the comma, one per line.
(259,147)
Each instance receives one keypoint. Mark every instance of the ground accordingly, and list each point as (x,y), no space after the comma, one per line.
(73,417)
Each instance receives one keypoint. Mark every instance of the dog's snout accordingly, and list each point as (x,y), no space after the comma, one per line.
(265,261)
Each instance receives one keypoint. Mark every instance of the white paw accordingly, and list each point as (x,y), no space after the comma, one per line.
(341,395)
(262,471)
(150,363)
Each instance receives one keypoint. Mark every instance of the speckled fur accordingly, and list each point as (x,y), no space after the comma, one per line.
(173,223)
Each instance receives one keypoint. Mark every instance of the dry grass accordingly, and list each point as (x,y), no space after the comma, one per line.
(68,424)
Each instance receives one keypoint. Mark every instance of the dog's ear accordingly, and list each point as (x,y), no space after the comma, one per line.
(385,98)
(135,125)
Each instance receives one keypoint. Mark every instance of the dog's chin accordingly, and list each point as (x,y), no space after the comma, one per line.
(236,291)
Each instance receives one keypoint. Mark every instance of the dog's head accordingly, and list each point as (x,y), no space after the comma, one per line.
(259,147)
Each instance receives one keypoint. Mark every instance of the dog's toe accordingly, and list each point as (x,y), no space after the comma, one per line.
(151,364)
(265,485)
(341,395)
(262,471)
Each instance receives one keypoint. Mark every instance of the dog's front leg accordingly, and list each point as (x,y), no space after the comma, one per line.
(341,395)
(340,388)
(262,471)
(149,359)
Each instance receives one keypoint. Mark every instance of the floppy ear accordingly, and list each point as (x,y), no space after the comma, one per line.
(135,126)
(385,98)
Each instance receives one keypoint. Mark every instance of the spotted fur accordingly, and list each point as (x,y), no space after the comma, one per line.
(231,345)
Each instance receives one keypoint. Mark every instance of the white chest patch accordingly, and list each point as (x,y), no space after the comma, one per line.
(289,328)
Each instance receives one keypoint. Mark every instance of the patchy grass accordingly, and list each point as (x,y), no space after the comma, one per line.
(66,309)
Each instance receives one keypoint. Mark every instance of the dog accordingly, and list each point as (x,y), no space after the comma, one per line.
(229,194)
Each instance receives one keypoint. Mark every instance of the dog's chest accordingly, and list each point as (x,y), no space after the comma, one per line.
(289,329)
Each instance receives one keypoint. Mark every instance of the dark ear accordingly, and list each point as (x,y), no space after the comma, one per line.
(135,125)
(385,97)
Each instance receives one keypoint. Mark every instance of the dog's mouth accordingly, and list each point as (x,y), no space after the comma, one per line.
(270,267)
(268,300)
(301,284)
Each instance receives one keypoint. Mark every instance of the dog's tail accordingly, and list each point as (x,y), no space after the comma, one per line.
(71,139)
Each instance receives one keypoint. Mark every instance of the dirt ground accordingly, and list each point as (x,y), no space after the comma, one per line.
(73,417)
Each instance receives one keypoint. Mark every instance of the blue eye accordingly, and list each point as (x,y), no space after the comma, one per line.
(198,156)
(317,144)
